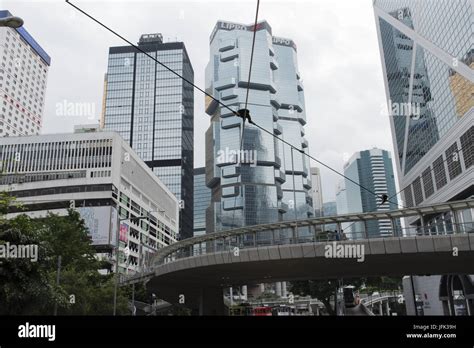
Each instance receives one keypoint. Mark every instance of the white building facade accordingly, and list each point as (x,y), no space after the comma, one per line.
(24,69)
(98,174)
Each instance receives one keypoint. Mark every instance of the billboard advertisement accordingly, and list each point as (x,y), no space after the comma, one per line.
(101,222)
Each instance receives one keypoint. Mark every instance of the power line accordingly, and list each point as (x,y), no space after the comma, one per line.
(246,113)
(218,101)
(431,170)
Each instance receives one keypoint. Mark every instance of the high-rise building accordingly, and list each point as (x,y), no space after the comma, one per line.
(316,191)
(152,109)
(100,176)
(202,198)
(427,60)
(341,204)
(24,68)
(259,179)
(330,209)
(373,170)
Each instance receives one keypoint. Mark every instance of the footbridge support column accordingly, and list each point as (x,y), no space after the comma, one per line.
(211,301)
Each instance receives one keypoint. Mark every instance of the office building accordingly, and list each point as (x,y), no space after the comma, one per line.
(330,209)
(341,206)
(98,174)
(24,66)
(373,171)
(152,109)
(266,181)
(202,198)
(427,60)
(316,191)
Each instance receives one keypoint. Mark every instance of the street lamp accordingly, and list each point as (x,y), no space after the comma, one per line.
(117,250)
(11,22)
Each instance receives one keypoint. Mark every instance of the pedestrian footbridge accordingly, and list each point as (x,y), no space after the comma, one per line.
(194,271)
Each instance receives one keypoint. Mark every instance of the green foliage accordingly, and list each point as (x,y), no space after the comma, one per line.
(29,288)
(320,289)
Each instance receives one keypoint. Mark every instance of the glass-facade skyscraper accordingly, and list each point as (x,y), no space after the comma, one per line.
(152,109)
(427,52)
(246,193)
(202,198)
(428,59)
(373,170)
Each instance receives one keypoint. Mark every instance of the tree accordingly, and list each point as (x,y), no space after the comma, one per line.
(323,290)
(29,287)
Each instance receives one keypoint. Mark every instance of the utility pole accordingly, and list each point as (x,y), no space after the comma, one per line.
(58,273)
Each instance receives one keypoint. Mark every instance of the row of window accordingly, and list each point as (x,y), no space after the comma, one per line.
(424,186)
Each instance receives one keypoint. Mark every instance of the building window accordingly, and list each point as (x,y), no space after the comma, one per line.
(408,196)
(467,147)
(453,161)
(427,182)
(439,172)
(417,191)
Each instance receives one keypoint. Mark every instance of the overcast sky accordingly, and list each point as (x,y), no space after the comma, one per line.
(338,58)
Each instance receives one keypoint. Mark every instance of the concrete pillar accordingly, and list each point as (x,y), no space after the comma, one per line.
(244,292)
(380,308)
(284,292)
(366,230)
(278,288)
(211,301)
(394,227)
(262,288)
(455,221)
(387,308)
(422,223)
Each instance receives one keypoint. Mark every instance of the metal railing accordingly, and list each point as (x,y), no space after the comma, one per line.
(313,231)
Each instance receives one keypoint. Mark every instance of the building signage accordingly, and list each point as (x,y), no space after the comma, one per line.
(283,42)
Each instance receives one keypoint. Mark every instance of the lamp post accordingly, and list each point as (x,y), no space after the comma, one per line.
(117,251)
(11,22)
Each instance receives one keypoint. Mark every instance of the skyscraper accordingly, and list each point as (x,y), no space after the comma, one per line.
(152,109)
(373,170)
(341,204)
(202,198)
(256,186)
(427,59)
(330,209)
(316,191)
(24,68)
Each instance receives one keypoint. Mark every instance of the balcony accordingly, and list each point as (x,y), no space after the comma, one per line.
(230,122)
(280,176)
(227,45)
(282,207)
(277,128)
(225,83)
(229,55)
(232,203)
(273,63)
(229,94)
